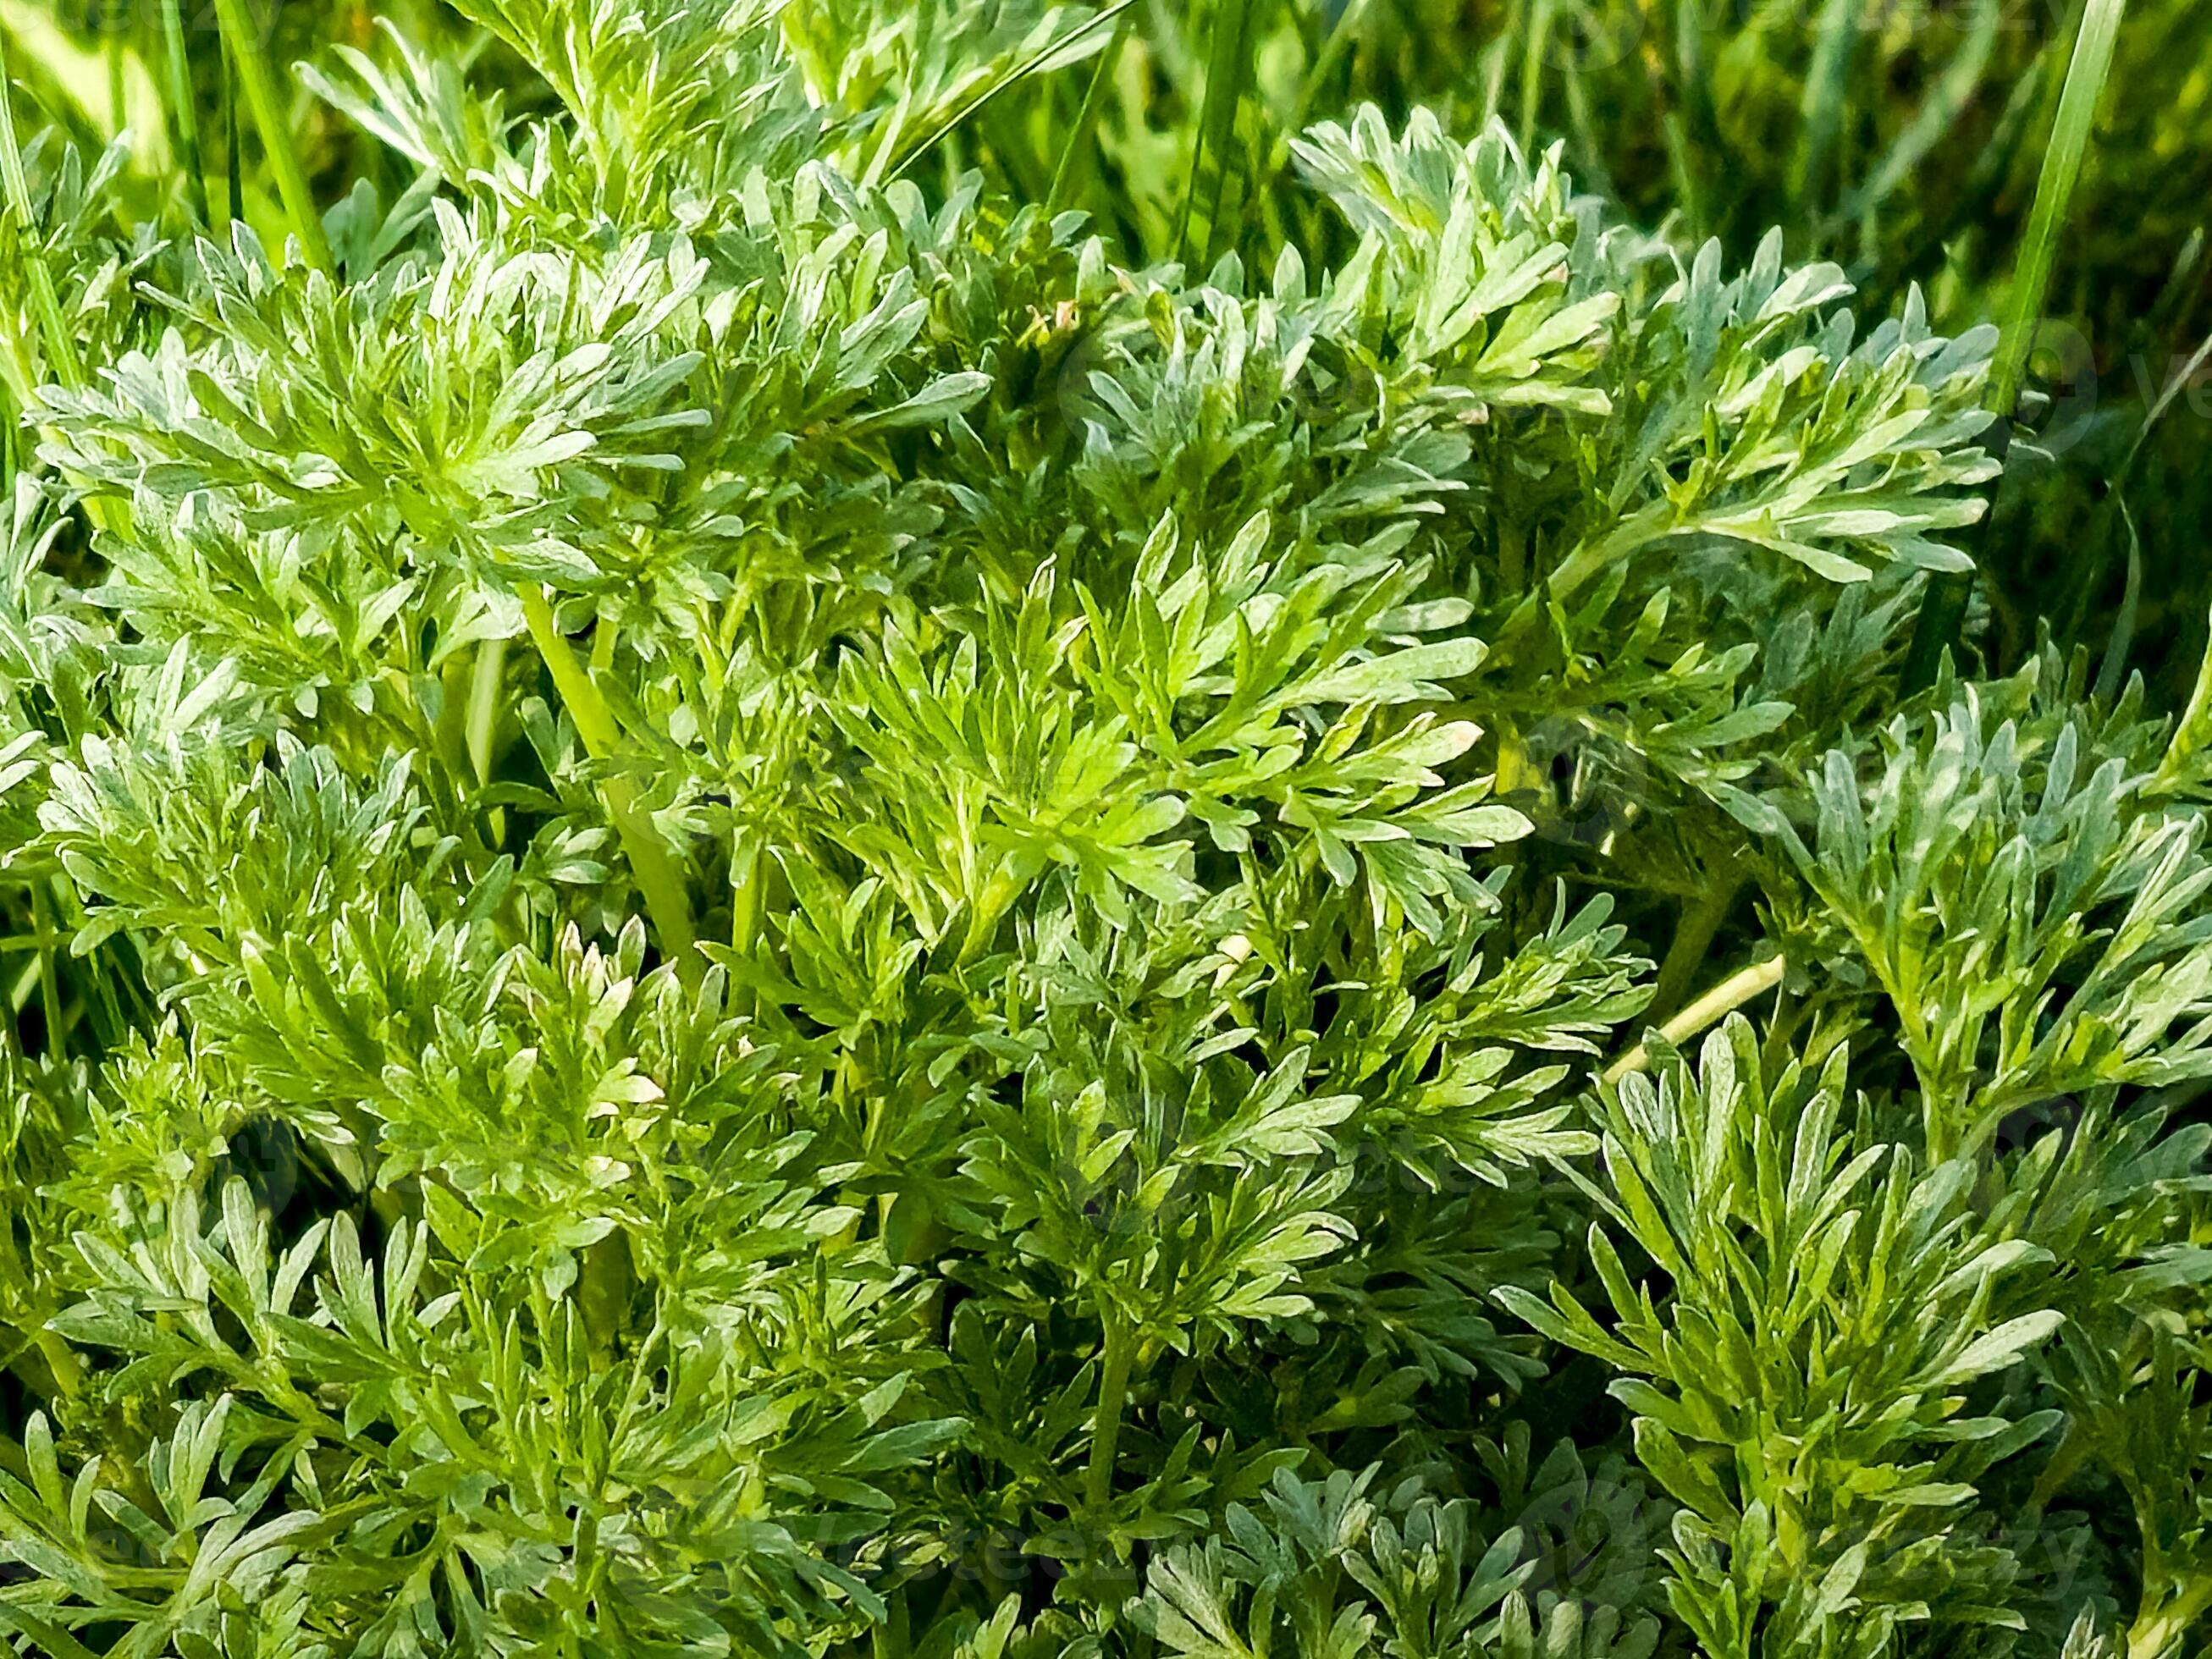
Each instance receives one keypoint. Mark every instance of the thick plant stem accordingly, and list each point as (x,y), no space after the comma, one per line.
(2154,1633)
(258,83)
(1730,995)
(1119,1349)
(658,879)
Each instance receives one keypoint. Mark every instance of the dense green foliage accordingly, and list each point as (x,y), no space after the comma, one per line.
(787,876)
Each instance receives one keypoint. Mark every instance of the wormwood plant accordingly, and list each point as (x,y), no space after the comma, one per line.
(766,914)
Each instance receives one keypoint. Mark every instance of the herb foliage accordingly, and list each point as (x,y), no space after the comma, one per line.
(769,910)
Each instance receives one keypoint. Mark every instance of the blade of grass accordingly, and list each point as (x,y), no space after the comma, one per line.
(234,158)
(183,105)
(2179,295)
(1021,72)
(1086,118)
(1822,110)
(1533,49)
(1938,115)
(118,102)
(1224,135)
(271,118)
(1227,67)
(2111,675)
(1944,605)
(1326,58)
(2054,194)
(2088,576)
(62,361)
(2176,384)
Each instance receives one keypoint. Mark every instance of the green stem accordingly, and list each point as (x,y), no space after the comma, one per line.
(481,729)
(1227,68)
(1333,47)
(1119,1349)
(2154,1633)
(1512,557)
(1005,83)
(183,104)
(1730,995)
(1532,68)
(745,875)
(270,117)
(2057,1473)
(659,880)
(62,362)
(1824,101)
(893,1638)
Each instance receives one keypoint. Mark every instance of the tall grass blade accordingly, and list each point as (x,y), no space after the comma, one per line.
(2113,674)
(59,343)
(234,155)
(1086,118)
(1944,606)
(2179,381)
(1022,71)
(1536,46)
(118,100)
(1228,73)
(1326,58)
(1938,114)
(271,118)
(1823,107)
(184,111)
(2062,171)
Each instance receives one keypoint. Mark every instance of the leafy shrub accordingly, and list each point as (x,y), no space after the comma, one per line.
(765,913)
